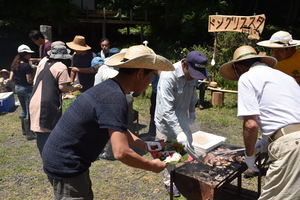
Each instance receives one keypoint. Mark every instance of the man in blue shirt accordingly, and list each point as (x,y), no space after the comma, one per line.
(100,114)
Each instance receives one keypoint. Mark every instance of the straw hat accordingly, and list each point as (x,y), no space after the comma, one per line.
(4,71)
(58,43)
(139,56)
(244,53)
(78,44)
(280,39)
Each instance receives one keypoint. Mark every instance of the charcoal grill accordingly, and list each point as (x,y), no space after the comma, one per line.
(196,180)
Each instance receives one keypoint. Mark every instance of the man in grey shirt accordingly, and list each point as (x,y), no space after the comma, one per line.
(175,103)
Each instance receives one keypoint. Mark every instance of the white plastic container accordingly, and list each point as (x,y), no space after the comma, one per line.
(204,142)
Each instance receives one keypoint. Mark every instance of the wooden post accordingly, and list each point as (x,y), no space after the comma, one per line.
(104,15)
(103,24)
(103,30)
(217,98)
(213,61)
(120,14)
(130,14)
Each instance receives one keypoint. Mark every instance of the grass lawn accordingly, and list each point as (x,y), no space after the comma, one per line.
(22,177)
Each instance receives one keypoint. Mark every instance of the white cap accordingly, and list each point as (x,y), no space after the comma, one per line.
(24,48)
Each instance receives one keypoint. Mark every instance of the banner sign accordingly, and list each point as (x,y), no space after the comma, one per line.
(252,25)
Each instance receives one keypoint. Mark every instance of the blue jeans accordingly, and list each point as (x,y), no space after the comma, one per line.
(24,93)
(201,87)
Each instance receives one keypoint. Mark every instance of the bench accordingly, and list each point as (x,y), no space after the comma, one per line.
(217,95)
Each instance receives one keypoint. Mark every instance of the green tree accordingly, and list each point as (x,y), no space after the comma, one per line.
(17,16)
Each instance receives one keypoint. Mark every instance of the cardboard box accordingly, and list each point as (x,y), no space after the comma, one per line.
(7,101)
(204,142)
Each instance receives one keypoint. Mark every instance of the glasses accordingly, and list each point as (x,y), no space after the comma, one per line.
(235,70)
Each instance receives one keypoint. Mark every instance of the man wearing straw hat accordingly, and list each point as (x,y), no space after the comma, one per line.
(81,62)
(268,99)
(283,48)
(98,115)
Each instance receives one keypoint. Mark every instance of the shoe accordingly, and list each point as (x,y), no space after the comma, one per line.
(201,107)
(176,193)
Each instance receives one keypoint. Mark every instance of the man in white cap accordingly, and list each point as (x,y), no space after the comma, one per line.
(175,104)
(283,48)
(268,99)
(100,114)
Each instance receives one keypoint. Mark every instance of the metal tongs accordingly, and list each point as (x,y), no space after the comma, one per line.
(192,153)
(223,152)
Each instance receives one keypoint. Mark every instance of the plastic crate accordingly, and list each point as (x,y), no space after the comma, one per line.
(7,101)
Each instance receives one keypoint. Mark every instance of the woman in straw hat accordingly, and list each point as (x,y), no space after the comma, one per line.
(283,48)
(82,60)
(52,80)
(98,115)
(265,101)
(22,75)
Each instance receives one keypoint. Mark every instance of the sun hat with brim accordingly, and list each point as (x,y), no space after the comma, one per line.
(58,43)
(139,56)
(244,53)
(78,44)
(4,71)
(59,52)
(280,39)
(24,48)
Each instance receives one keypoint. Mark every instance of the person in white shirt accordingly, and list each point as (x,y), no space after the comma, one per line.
(268,99)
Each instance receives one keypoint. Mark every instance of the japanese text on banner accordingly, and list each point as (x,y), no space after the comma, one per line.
(252,25)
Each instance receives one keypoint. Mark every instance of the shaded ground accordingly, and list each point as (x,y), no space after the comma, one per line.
(22,177)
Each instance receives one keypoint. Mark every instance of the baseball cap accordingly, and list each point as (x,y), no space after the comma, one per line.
(24,48)
(196,62)
(96,61)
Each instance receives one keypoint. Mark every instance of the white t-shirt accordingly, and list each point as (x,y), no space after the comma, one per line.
(272,95)
(104,73)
